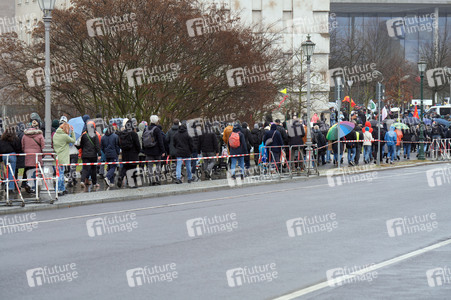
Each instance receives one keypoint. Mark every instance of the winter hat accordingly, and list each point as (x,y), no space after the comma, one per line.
(154,119)
(35,116)
(63,119)
(55,123)
(256,126)
(85,118)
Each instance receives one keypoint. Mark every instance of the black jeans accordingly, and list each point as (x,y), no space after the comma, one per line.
(89,170)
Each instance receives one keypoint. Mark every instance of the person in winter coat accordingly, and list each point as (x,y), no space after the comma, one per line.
(282,131)
(399,137)
(367,144)
(391,139)
(32,142)
(129,143)
(358,145)
(63,136)
(296,134)
(141,127)
(90,147)
(170,136)
(110,146)
(407,138)
(248,138)
(10,144)
(321,142)
(20,160)
(351,146)
(275,148)
(184,147)
(153,148)
(336,150)
(237,146)
(256,140)
(208,144)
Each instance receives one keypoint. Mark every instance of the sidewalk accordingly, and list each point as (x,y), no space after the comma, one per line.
(145,192)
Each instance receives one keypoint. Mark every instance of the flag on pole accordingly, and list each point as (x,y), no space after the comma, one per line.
(372,105)
(346,99)
(415,113)
(384,113)
(353,103)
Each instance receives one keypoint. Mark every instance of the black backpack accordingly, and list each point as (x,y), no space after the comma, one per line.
(125,141)
(149,139)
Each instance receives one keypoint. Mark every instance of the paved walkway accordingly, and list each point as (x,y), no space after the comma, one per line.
(110,195)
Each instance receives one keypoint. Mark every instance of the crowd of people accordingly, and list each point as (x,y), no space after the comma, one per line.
(149,146)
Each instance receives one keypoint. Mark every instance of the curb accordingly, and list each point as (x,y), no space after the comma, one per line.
(56,205)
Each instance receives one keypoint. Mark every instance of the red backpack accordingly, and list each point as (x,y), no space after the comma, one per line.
(234,140)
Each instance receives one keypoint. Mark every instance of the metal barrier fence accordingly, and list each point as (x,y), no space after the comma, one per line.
(36,175)
(440,149)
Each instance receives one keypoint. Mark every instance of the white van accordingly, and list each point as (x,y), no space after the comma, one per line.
(441,110)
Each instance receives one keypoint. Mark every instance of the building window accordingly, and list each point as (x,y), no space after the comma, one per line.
(257,16)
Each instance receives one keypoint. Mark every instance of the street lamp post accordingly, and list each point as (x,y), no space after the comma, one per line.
(422,69)
(47,7)
(307,48)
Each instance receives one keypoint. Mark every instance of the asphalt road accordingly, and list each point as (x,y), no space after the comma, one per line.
(252,244)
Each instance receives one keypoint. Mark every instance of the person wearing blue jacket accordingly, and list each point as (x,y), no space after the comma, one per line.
(275,146)
(391,138)
(110,146)
(241,150)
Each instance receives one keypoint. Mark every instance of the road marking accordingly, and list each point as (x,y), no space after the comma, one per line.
(199,201)
(325,284)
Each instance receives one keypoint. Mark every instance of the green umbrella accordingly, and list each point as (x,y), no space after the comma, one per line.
(400,126)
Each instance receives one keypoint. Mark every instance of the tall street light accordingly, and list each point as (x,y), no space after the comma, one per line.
(307,48)
(422,69)
(47,7)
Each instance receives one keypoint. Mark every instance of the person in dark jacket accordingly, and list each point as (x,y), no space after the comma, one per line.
(351,146)
(321,143)
(10,144)
(335,149)
(155,152)
(129,143)
(184,147)
(275,148)
(241,150)
(282,131)
(407,138)
(376,145)
(248,138)
(170,136)
(296,133)
(110,146)
(358,145)
(256,140)
(209,146)
(90,146)
(20,164)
